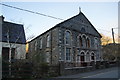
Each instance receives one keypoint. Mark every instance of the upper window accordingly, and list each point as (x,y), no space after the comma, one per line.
(96,43)
(84,40)
(80,41)
(35,45)
(41,43)
(88,43)
(48,41)
(67,37)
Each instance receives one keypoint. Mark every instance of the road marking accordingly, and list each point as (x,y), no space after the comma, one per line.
(96,74)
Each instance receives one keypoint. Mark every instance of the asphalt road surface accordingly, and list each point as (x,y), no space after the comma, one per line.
(103,74)
(108,74)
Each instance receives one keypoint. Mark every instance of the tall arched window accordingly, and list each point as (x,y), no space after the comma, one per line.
(67,37)
(96,43)
(48,40)
(82,57)
(35,45)
(84,40)
(92,56)
(80,41)
(40,43)
(88,43)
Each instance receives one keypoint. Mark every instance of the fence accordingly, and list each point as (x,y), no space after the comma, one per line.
(25,69)
(17,69)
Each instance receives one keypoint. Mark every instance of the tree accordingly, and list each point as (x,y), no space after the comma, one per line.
(111,51)
(105,39)
(30,37)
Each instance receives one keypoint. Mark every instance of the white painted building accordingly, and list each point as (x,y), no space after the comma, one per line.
(13,41)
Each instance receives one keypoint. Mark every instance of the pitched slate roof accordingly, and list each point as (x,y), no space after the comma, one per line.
(15,31)
(74,22)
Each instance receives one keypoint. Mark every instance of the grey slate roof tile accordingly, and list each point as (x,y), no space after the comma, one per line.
(15,31)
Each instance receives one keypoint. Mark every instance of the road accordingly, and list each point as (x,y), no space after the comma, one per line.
(108,74)
(103,73)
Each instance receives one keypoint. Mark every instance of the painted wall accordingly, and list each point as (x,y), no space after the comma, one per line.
(20,49)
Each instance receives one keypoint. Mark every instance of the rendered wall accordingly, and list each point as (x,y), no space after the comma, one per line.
(20,49)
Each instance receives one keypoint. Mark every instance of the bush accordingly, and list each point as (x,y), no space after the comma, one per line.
(97,65)
(40,70)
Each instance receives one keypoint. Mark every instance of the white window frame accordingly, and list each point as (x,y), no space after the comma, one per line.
(70,40)
(84,40)
(66,55)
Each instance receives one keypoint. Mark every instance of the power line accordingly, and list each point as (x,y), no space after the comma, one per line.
(43,14)
(30,11)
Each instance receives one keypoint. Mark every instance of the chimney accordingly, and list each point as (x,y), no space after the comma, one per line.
(1,19)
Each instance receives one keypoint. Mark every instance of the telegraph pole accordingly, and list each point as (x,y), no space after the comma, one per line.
(114,43)
(113,36)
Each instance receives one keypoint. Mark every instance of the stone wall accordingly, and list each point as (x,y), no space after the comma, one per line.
(34,47)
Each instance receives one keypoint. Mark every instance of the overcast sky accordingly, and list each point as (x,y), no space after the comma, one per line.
(103,15)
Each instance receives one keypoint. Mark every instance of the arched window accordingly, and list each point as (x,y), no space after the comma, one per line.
(84,41)
(88,43)
(35,45)
(80,41)
(96,43)
(48,40)
(87,56)
(82,57)
(67,37)
(92,56)
(40,43)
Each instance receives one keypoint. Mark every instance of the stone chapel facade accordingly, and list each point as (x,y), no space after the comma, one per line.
(74,41)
